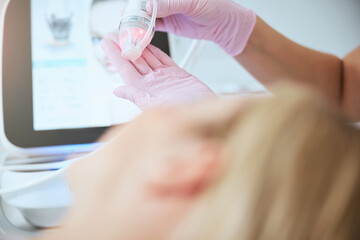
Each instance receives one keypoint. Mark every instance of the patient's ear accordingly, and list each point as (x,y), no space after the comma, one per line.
(189,174)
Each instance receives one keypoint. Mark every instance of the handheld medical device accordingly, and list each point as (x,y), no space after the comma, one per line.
(136,28)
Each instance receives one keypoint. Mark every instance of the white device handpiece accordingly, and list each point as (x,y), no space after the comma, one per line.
(136,28)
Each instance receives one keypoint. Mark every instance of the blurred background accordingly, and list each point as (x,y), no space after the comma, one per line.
(331,26)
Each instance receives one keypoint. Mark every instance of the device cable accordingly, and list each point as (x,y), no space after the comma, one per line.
(152,24)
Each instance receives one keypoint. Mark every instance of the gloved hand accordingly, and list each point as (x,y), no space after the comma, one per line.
(222,21)
(154,78)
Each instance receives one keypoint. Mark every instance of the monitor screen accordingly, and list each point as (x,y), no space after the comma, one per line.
(72,79)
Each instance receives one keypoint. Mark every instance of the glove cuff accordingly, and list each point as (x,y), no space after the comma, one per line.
(238,29)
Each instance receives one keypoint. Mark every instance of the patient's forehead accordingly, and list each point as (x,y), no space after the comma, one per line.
(105,16)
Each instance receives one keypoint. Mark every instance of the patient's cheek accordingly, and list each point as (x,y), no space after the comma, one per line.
(146,215)
(164,216)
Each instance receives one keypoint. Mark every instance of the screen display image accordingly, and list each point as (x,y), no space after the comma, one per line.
(72,79)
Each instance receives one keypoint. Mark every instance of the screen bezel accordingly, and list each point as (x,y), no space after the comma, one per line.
(17,92)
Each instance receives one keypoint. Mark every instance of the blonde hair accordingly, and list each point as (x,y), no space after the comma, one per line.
(293,173)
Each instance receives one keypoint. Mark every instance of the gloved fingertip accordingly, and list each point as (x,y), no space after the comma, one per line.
(119,92)
(113,37)
(115,92)
(160,26)
(109,47)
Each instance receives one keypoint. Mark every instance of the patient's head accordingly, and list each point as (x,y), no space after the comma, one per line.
(276,168)
(293,172)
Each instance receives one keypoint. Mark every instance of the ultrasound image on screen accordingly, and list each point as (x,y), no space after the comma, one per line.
(73,81)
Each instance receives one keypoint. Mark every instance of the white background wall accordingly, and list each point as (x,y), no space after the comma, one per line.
(331,26)
(1,3)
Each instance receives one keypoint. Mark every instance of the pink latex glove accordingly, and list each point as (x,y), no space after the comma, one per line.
(222,21)
(154,78)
